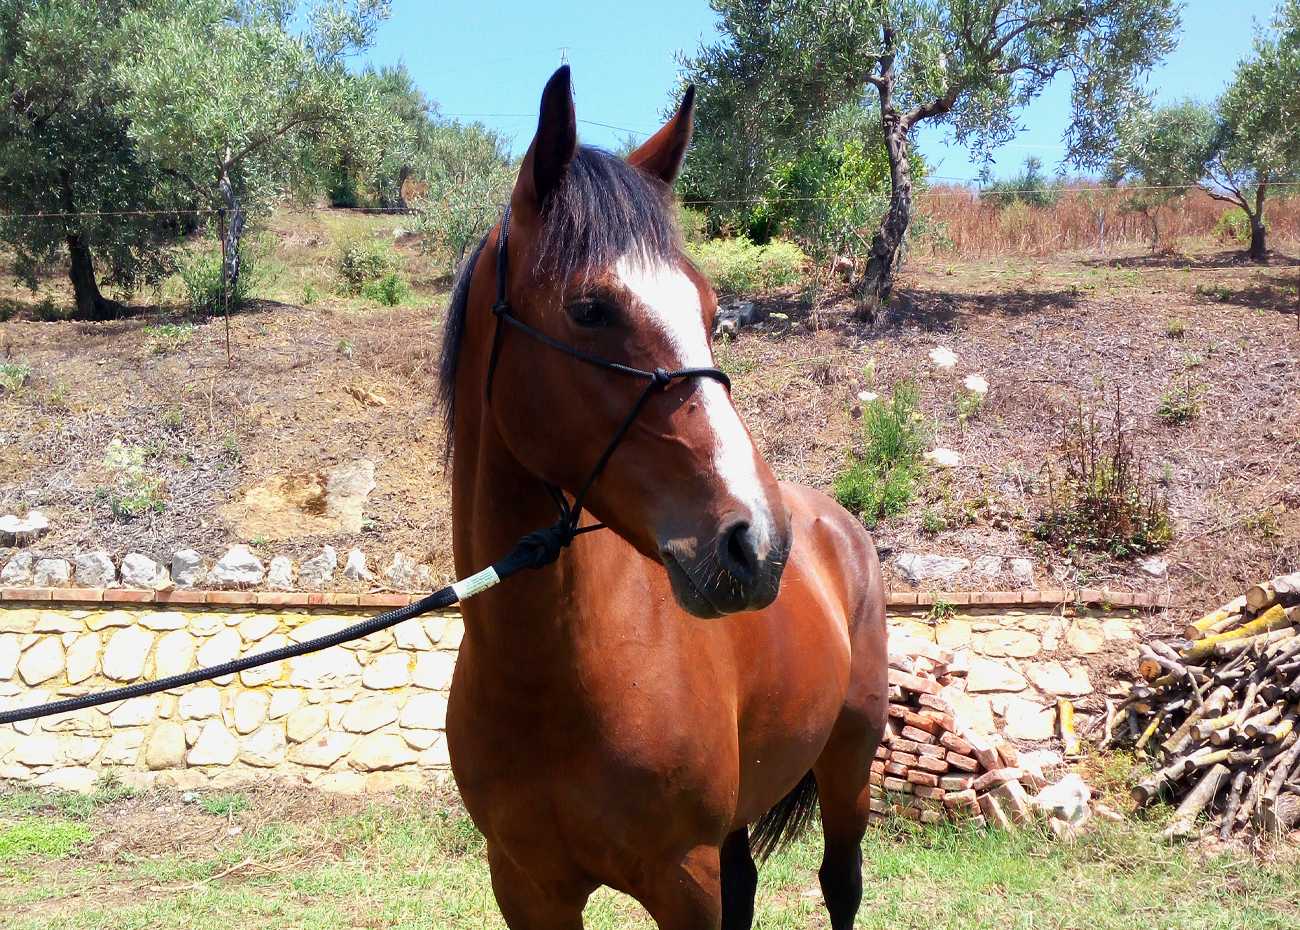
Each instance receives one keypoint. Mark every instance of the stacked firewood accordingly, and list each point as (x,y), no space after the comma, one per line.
(930,767)
(1218,712)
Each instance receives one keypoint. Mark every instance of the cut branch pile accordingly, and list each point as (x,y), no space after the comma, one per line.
(930,767)
(1218,711)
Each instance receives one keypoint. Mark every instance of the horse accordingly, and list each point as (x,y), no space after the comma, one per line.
(670,700)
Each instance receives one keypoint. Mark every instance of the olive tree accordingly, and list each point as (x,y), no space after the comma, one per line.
(73,185)
(469,175)
(970,65)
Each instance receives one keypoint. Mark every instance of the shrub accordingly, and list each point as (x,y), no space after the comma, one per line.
(694,224)
(13,375)
(738,266)
(1180,404)
(1176,327)
(1233,226)
(365,262)
(1031,187)
(390,290)
(201,275)
(133,492)
(880,481)
(1101,500)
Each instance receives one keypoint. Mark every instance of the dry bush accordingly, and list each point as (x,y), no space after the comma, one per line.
(1085,217)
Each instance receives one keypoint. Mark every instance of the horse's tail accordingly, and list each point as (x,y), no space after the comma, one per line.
(784,823)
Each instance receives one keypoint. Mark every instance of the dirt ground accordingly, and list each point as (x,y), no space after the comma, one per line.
(1047,334)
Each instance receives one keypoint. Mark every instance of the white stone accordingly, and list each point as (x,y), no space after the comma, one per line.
(944,458)
(27,698)
(380,752)
(138,570)
(265,674)
(437,755)
(1028,720)
(314,629)
(340,783)
(266,748)
(369,714)
(917,567)
(1056,680)
(10,650)
(1085,636)
(215,746)
(410,636)
(306,722)
(976,384)
(42,661)
(78,778)
(18,570)
(355,568)
(200,703)
(333,668)
(187,568)
(206,623)
(323,750)
(1023,571)
(136,712)
(122,748)
(1068,799)
(238,568)
(868,397)
(318,571)
(220,648)
(943,358)
(434,669)
(15,531)
(424,712)
(989,566)
(990,675)
(255,628)
(420,739)
(400,573)
(250,710)
(165,748)
(52,573)
(1154,566)
(40,749)
(387,671)
(163,620)
(283,700)
(175,653)
(279,577)
(94,569)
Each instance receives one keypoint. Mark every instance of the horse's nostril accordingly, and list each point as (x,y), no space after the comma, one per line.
(739,555)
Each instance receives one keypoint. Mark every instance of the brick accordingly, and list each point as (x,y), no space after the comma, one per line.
(913,682)
(965,763)
(1051,596)
(905,745)
(898,785)
(985,752)
(934,703)
(26,594)
(930,817)
(1120,598)
(967,798)
(876,778)
(1008,752)
(180,596)
(899,711)
(992,810)
(882,751)
(911,813)
(929,792)
(127,596)
(877,766)
(945,721)
(343,600)
(878,806)
(383,599)
(1091,595)
(917,735)
(978,821)
(897,769)
(230,597)
(903,758)
(956,782)
(956,744)
(80,595)
(926,598)
(281,598)
(923,722)
(1011,795)
(933,750)
(996,597)
(901,598)
(931,764)
(995,777)
(917,777)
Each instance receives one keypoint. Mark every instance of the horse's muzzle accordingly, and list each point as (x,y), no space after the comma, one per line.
(735,572)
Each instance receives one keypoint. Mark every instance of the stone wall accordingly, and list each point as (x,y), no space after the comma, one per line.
(369,715)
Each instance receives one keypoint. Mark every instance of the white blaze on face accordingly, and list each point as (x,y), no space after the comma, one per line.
(671,304)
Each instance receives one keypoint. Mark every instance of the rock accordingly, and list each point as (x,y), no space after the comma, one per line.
(306,722)
(283,701)
(265,674)
(250,711)
(187,568)
(1023,571)
(175,654)
(238,568)
(163,620)
(976,384)
(318,571)
(215,746)
(139,571)
(433,670)
(356,569)
(1028,720)
(868,397)
(136,712)
(122,748)
(280,575)
(18,570)
(420,739)
(734,314)
(387,671)
(83,658)
(127,650)
(380,752)
(943,358)
(401,573)
(317,503)
(1057,681)
(52,573)
(990,675)
(944,458)
(21,532)
(94,569)
(255,628)
(1085,636)
(1016,643)
(79,779)
(424,712)
(165,748)
(200,703)
(10,650)
(1067,800)
(916,567)
(314,629)
(220,648)
(265,748)
(1154,566)
(989,566)
(333,668)
(369,714)
(42,661)
(1053,630)
(411,637)
(1116,629)
(322,751)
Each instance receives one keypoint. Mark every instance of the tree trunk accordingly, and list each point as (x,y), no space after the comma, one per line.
(402,177)
(1258,248)
(878,281)
(1155,230)
(91,304)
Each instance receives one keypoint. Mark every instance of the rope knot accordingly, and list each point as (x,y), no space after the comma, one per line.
(661,377)
(544,546)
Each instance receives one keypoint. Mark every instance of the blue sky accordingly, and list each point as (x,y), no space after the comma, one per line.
(487,61)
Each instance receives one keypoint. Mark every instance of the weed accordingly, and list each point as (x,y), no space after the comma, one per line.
(363,262)
(172,419)
(390,290)
(13,376)
(134,491)
(260,541)
(940,610)
(881,480)
(230,448)
(1101,500)
(933,521)
(41,836)
(1214,292)
(167,337)
(1193,360)
(969,404)
(346,347)
(1180,404)
(204,283)
(732,362)
(224,805)
(1263,524)
(1175,327)
(310,295)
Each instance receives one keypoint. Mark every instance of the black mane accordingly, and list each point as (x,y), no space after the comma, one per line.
(602,210)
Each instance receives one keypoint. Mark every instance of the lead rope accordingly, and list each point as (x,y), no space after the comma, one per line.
(536,550)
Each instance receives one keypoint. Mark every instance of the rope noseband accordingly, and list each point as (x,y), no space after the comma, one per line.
(536,550)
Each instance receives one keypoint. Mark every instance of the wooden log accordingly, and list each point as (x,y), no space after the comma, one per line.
(1274,618)
(1234,606)
(1065,722)
(1150,730)
(1265,594)
(1256,725)
(1197,799)
(1236,646)
(1233,803)
(1215,703)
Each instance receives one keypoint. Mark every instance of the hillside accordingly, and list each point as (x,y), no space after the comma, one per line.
(208,454)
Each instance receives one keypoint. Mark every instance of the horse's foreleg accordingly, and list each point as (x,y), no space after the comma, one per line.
(528,905)
(686,895)
(739,882)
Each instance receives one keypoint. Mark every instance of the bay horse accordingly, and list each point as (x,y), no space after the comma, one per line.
(669,701)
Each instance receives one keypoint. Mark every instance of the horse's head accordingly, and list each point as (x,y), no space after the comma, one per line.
(595,262)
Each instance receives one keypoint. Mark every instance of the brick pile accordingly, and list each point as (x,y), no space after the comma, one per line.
(929,766)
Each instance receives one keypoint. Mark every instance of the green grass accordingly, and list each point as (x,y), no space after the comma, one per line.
(167,337)
(409,863)
(224,805)
(880,478)
(41,836)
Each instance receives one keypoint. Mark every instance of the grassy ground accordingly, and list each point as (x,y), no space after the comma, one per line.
(292,860)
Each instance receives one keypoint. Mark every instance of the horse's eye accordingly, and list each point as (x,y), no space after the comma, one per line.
(592,314)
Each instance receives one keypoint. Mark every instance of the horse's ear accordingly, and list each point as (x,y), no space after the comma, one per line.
(661,155)
(553,148)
